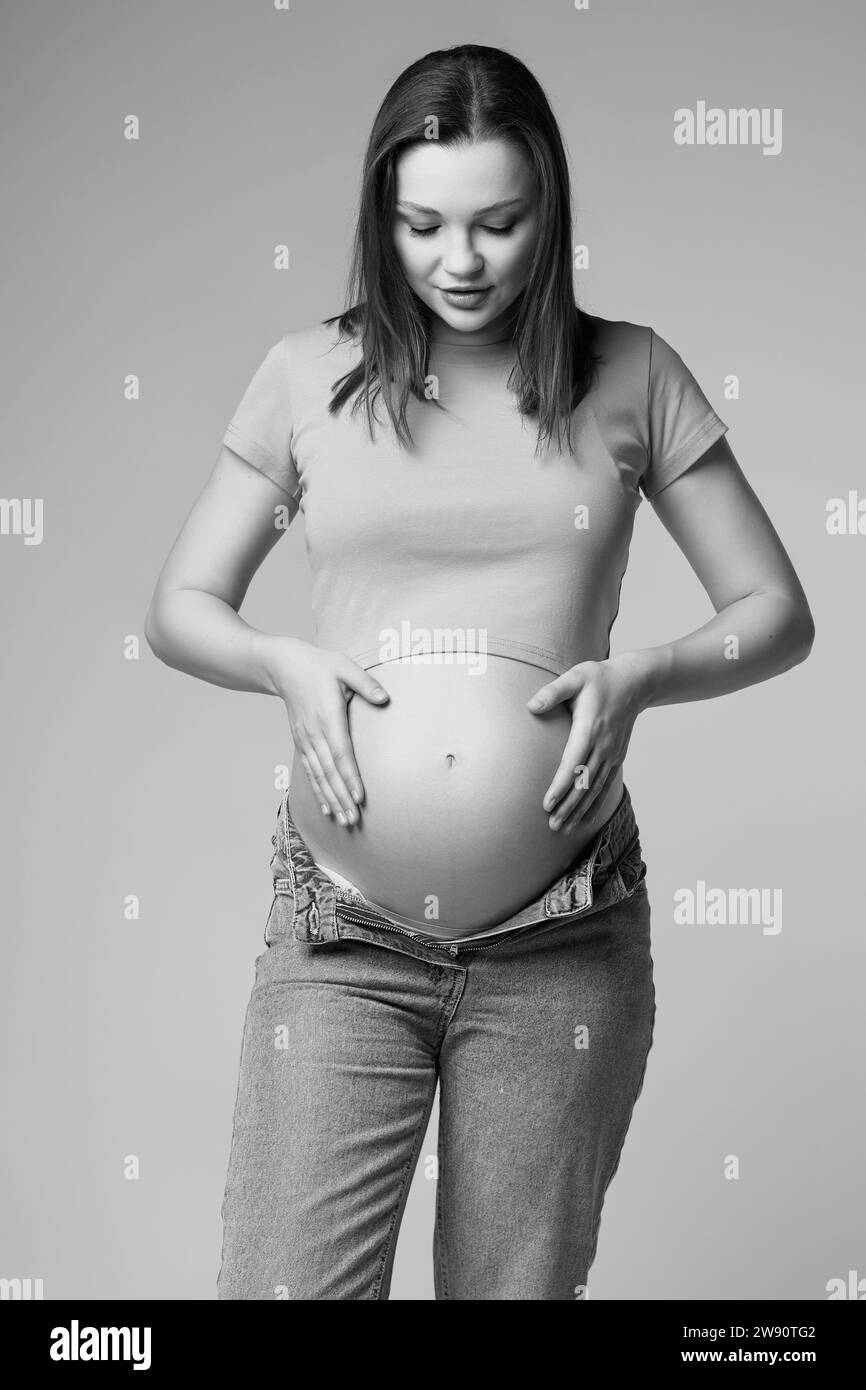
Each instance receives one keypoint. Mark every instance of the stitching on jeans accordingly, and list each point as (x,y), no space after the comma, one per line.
(456,990)
(288,849)
(440,1198)
(440,1226)
(235,1158)
(450,1005)
(613,1171)
(409,1168)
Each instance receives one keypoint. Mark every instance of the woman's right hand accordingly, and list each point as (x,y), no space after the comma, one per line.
(316,686)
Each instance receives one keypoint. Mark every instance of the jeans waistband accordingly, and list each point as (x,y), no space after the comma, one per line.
(312,897)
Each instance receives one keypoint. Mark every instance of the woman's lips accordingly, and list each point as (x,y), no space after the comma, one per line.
(466,299)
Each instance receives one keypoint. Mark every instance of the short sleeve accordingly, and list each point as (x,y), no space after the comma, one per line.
(261,428)
(682,423)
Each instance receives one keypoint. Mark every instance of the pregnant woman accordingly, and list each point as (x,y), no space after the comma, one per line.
(460,895)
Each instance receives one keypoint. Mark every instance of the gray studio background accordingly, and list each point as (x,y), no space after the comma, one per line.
(123,777)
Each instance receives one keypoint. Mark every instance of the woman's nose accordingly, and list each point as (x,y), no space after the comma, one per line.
(461,261)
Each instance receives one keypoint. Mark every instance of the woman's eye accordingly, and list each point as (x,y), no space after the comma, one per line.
(494,231)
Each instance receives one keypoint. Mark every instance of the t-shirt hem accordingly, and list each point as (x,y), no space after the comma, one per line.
(527,653)
(688,453)
(260,458)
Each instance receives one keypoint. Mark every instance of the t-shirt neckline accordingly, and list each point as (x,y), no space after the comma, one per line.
(497,351)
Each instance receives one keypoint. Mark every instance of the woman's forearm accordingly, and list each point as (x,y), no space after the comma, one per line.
(751,640)
(200,634)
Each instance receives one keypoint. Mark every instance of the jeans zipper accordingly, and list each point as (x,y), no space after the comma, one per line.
(450,946)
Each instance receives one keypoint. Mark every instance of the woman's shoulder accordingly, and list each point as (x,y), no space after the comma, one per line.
(619,338)
(622,352)
(322,343)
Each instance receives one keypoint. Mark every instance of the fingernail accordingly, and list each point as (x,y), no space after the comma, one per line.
(325,808)
(536,702)
(341,818)
(356,793)
(555,823)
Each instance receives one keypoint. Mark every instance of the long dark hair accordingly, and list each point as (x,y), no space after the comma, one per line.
(476,93)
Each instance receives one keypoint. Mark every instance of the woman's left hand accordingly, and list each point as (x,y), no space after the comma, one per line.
(605,698)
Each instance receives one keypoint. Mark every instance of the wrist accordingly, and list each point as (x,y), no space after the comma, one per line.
(269,655)
(645,669)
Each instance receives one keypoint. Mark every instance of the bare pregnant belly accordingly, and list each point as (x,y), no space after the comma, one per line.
(452,831)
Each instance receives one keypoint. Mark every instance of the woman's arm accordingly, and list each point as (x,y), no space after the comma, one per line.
(763,626)
(193,625)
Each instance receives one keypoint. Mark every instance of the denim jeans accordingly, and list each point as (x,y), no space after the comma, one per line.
(538,1040)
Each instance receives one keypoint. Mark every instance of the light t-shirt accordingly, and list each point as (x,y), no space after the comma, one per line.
(469,538)
(469,543)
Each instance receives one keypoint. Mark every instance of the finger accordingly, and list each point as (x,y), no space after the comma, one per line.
(338,738)
(347,812)
(573,758)
(344,761)
(597,789)
(318,781)
(581,782)
(357,679)
(585,808)
(566,685)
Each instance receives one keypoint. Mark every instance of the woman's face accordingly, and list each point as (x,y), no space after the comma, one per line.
(466,218)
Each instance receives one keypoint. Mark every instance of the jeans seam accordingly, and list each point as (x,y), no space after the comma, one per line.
(390,1242)
(234,1161)
(596,1227)
(440,1227)
(288,859)
(449,1007)
(451,1004)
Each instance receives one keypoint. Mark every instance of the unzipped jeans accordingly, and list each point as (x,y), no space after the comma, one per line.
(538,1040)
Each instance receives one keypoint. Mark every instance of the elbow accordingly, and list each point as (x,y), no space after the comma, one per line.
(152,629)
(791,627)
(791,631)
(802,636)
